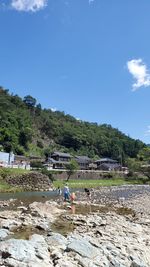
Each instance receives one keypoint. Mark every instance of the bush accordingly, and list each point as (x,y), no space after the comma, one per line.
(48,173)
(4,172)
(39,144)
(130,174)
(36,164)
(107,175)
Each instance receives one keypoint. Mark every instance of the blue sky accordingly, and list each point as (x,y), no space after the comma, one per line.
(89,59)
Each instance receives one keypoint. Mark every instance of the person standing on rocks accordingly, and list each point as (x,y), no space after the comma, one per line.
(59,194)
(59,191)
(88,193)
(73,197)
(66,193)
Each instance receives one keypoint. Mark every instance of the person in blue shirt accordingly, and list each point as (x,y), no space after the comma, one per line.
(66,193)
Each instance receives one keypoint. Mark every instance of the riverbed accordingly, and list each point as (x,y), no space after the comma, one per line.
(112,193)
(112,229)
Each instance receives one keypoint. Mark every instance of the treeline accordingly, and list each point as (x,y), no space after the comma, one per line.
(27,129)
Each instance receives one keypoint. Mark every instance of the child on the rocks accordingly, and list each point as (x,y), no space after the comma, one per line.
(87,191)
(73,196)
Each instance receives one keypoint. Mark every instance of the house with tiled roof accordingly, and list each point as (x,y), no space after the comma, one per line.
(107,164)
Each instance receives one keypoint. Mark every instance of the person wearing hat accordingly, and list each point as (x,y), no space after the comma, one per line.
(66,193)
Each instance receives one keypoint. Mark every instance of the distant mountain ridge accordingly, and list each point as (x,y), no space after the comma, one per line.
(27,129)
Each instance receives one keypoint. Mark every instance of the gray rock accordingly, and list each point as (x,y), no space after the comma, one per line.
(11,224)
(65,263)
(28,253)
(84,262)
(14,263)
(56,240)
(42,226)
(83,247)
(3,234)
(136,262)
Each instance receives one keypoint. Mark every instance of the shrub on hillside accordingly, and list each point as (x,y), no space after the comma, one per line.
(48,173)
(36,164)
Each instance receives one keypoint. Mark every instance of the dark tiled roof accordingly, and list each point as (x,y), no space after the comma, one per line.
(106,160)
(61,154)
(83,159)
(110,165)
(51,160)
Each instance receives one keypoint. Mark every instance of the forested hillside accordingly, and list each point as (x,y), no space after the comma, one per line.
(27,129)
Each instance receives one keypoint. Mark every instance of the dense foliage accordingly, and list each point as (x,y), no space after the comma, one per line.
(140,164)
(27,129)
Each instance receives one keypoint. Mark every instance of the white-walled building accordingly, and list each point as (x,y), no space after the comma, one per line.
(6,158)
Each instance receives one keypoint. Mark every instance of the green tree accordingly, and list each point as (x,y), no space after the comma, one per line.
(29,101)
(145,169)
(134,165)
(72,167)
(59,132)
(25,137)
(144,154)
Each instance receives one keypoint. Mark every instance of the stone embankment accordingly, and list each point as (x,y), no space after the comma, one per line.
(101,237)
(87,175)
(33,181)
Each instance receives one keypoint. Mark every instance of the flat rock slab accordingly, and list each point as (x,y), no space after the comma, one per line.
(25,253)
(84,248)
(56,240)
(3,234)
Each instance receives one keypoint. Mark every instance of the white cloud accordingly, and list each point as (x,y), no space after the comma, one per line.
(78,119)
(53,109)
(28,5)
(140,73)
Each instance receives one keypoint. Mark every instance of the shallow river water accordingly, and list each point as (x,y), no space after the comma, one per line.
(110,193)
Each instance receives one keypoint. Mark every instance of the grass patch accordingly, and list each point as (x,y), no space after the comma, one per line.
(96,183)
(4,172)
(5,188)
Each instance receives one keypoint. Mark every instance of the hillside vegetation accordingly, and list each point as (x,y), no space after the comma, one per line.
(27,129)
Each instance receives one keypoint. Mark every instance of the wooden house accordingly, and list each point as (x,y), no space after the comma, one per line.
(60,159)
(83,162)
(107,164)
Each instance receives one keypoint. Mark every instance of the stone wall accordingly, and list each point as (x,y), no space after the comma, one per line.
(95,175)
(30,181)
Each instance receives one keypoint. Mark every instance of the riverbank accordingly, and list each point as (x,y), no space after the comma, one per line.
(7,172)
(111,229)
(18,180)
(91,183)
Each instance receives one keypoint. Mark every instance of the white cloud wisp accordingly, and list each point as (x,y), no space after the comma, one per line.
(28,5)
(140,73)
(53,109)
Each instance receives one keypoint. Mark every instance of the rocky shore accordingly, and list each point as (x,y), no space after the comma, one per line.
(106,231)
